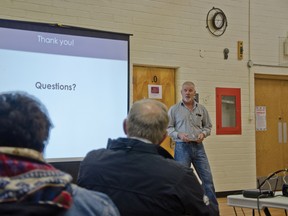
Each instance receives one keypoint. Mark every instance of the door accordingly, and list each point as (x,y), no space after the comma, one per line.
(271,143)
(162,77)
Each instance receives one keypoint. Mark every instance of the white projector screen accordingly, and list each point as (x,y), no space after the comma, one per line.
(80,75)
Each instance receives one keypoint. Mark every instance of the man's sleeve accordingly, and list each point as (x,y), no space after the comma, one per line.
(206,122)
(171,129)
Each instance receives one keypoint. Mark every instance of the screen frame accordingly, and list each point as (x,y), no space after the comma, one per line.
(74,31)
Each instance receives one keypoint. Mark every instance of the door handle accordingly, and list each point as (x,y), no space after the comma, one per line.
(284,132)
(280,139)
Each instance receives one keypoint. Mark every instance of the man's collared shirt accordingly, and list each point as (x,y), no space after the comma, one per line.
(183,120)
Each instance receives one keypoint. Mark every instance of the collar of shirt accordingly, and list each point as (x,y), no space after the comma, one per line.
(141,139)
(194,105)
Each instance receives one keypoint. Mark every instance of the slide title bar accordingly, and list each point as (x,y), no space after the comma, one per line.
(62,44)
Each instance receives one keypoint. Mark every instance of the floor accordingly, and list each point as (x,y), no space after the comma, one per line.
(226,210)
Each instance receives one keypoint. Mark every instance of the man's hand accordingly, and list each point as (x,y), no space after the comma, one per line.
(184,137)
(201,137)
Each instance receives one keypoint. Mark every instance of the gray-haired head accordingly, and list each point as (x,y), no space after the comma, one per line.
(147,119)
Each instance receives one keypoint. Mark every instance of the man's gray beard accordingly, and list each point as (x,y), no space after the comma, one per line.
(187,100)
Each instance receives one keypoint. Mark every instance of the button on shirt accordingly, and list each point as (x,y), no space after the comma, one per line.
(183,120)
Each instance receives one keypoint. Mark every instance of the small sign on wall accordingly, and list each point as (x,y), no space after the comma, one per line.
(155,91)
(261,118)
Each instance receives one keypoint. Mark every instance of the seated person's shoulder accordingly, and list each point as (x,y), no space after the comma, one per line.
(87,202)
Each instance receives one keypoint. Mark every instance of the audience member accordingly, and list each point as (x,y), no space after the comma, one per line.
(141,177)
(28,185)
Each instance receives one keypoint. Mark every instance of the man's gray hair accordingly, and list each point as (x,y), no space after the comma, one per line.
(189,83)
(147,119)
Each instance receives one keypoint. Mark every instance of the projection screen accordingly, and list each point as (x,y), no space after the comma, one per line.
(81,76)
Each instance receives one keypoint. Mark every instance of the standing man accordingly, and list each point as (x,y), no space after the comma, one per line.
(189,124)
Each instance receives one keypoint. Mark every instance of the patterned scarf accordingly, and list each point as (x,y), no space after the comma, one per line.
(26,178)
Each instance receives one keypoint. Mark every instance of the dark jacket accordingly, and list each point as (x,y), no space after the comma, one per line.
(142,182)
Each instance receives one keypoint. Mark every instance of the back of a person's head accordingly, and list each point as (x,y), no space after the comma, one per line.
(24,121)
(148,119)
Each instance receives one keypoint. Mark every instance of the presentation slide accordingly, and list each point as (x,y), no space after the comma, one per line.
(83,82)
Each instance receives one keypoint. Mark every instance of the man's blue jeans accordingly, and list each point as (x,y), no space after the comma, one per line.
(192,152)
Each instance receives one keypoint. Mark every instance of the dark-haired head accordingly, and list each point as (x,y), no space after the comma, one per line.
(24,121)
